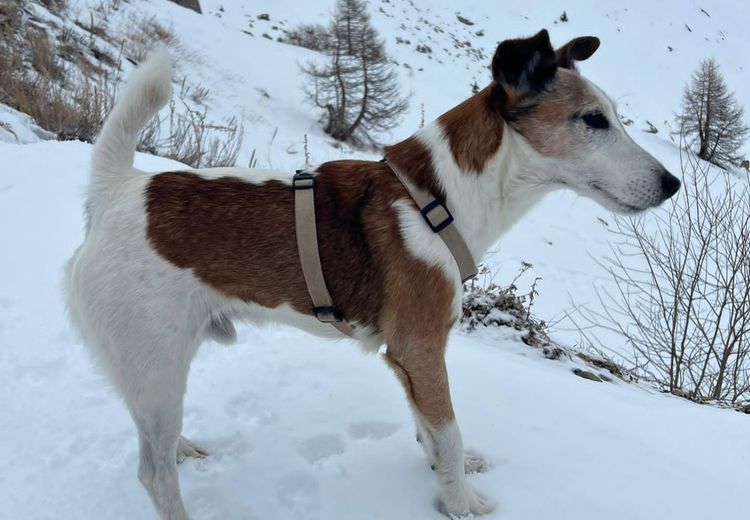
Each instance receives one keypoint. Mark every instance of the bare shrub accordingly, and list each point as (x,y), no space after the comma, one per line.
(93,102)
(44,58)
(94,29)
(187,135)
(143,35)
(488,304)
(191,139)
(312,36)
(77,115)
(681,298)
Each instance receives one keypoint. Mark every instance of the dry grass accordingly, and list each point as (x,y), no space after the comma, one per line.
(191,139)
(65,78)
(60,76)
(143,35)
(11,17)
(41,85)
(44,59)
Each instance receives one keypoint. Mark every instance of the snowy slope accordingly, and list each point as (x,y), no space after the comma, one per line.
(303,429)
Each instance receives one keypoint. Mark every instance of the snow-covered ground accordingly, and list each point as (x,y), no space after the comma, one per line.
(17,127)
(301,428)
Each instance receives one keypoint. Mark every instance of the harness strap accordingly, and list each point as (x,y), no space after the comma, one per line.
(440,220)
(309,255)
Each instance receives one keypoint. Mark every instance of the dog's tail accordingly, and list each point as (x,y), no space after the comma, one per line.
(148,90)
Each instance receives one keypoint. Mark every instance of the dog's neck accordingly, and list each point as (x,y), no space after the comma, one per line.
(486,171)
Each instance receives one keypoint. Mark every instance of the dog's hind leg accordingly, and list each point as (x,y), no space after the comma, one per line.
(155,400)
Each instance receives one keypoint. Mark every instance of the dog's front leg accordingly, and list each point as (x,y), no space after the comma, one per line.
(420,365)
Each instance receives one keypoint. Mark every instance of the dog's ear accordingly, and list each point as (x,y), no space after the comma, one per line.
(522,67)
(577,49)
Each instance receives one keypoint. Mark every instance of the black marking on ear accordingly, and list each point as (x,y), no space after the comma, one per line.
(526,64)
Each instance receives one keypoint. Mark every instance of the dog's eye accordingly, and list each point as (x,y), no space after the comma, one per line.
(595,120)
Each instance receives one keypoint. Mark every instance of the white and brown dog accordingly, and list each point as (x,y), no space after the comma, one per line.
(171,259)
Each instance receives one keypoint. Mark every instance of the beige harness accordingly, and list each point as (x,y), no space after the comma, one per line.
(435,213)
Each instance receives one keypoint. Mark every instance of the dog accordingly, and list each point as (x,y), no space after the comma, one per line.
(171,259)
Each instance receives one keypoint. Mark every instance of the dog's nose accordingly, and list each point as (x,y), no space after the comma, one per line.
(669,184)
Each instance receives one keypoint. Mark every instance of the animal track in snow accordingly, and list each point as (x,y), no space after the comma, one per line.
(247,407)
(372,429)
(319,447)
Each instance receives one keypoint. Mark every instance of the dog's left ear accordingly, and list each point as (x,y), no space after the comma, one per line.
(577,49)
(525,64)
(520,68)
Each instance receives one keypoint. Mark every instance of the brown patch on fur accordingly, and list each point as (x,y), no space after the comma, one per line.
(417,338)
(239,238)
(415,160)
(545,123)
(419,364)
(474,130)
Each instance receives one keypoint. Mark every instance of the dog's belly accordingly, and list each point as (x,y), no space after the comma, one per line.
(258,315)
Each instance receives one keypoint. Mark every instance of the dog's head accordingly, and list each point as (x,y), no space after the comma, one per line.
(572,127)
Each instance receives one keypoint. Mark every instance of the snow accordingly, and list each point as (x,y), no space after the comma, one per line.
(17,127)
(301,428)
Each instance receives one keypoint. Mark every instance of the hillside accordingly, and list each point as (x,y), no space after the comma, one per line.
(301,428)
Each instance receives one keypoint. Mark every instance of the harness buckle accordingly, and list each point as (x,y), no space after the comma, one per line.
(328,314)
(304,181)
(436,215)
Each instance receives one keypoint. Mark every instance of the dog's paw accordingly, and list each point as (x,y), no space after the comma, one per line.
(187,448)
(463,502)
(474,463)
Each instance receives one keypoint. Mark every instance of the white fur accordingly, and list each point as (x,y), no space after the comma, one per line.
(251,175)
(486,205)
(457,497)
(149,89)
(609,166)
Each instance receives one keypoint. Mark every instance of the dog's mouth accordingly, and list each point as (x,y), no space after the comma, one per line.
(622,207)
